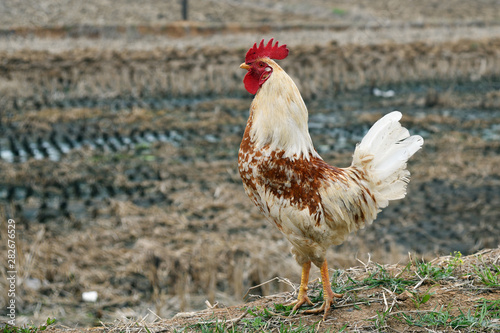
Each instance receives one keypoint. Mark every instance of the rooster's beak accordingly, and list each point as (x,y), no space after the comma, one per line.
(245,66)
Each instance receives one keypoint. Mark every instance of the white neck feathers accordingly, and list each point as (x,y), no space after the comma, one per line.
(279,117)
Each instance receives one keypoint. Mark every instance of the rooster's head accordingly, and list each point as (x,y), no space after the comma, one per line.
(258,65)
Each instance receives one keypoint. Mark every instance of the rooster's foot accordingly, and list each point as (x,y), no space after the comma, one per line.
(325,307)
(303,299)
(328,293)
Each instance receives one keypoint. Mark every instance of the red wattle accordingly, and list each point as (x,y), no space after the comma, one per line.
(251,82)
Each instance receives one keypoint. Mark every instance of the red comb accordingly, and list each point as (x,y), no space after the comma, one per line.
(270,51)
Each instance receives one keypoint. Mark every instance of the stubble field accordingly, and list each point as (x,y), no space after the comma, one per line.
(120,133)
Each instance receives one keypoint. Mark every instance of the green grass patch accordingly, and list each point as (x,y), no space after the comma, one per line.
(420,299)
(484,317)
(257,320)
(29,329)
(216,325)
(489,276)
(339,11)
(433,272)
(380,278)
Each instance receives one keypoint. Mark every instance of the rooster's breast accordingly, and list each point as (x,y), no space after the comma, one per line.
(288,190)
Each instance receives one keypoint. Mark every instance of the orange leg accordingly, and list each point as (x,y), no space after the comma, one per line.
(304,280)
(328,293)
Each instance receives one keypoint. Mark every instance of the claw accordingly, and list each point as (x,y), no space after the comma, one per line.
(299,302)
(302,297)
(325,307)
(328,293)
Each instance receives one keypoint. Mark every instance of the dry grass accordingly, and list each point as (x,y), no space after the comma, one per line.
(94,14)
(376,298)
(324,70)
(210,243)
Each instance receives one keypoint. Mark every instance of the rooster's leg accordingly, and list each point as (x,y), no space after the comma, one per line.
(328,293)
(304,280)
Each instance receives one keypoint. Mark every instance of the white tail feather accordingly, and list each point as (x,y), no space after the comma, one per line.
(383,154)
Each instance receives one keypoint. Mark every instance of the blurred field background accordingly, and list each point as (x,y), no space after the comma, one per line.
(120,125)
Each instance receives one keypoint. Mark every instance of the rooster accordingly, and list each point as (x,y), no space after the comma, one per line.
(315,205)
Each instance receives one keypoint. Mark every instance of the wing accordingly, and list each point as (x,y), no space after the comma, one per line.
(348,203)
(311,200)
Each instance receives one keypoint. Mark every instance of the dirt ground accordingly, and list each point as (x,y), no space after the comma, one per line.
(352,312)
(120,131)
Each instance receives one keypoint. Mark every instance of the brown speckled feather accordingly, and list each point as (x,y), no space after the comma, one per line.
(314,204)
